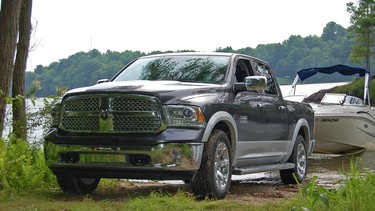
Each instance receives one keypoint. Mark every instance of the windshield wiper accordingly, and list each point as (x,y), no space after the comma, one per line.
(183,80)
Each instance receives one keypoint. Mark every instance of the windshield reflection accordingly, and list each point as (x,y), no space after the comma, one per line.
(198,69)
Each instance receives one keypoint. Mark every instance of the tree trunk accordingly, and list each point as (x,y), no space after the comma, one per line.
(9,17)
(18,85)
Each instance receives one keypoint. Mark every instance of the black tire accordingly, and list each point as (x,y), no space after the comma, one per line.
(214,176)
(299,158)
(77,185)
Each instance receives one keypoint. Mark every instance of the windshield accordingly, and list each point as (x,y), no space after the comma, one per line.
(186,68)
(350,100)
(334,99)
(342,99)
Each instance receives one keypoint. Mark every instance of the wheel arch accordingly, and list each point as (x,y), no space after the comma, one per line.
(224,121)
(301,128)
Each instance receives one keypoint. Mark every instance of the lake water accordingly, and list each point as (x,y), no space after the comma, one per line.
(308,89)
(326,167)
(35,134)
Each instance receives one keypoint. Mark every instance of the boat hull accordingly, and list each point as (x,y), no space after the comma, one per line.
(341,133)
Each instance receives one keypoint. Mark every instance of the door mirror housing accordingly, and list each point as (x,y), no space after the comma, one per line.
(256,83)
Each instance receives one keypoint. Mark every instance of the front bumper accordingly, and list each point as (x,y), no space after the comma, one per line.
(162,161)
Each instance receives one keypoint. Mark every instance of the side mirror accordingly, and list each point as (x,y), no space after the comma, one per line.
(102,81)
(256,83)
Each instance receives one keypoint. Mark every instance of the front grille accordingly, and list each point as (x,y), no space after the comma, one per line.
(111,114)
(136,123)
(124,104)
(90,123)
(85,104)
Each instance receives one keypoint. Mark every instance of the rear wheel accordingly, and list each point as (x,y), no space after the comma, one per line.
(77,185)
(214,176)
(299,158)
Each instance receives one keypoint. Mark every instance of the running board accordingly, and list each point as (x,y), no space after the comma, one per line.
(256,169)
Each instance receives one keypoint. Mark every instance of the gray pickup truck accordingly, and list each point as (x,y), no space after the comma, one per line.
(196,117)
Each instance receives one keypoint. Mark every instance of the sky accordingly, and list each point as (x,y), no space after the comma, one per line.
(65,27)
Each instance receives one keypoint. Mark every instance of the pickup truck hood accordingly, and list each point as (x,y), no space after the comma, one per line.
(167,91)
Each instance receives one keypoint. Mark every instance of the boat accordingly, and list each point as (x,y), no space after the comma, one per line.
(344,124)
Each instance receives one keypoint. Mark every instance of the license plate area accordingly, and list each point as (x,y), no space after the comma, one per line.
(102,158)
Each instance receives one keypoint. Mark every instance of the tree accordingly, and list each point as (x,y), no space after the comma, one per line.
(286,58)
(18,84)
(331,31)
(363,29)
(9,17)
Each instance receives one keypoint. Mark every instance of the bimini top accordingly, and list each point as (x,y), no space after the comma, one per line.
(342,69)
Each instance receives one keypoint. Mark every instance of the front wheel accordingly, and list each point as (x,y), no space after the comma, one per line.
(299,158)
(214,176)
(77,185)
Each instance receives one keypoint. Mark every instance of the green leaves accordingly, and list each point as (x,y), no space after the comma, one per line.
(355,88)
(22,167)
(315,195)
(286,58)
(363,29)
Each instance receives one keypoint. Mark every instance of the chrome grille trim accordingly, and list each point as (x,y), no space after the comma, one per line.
(123,104)
(136,123)
(82,104)
(112,113)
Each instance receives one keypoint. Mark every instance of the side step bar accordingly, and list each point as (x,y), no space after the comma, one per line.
(256,169)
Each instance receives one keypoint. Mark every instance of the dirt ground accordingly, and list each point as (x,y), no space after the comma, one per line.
(255,189)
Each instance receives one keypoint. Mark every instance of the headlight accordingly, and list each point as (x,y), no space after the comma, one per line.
(179,115)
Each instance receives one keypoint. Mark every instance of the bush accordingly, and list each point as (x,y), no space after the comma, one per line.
(23,167)
(356,192)
(356,87)
(22,163)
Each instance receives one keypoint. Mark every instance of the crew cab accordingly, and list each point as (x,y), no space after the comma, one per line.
(196,117)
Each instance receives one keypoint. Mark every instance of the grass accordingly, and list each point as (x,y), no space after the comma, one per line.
(27,184)
(50,200)
(356,193)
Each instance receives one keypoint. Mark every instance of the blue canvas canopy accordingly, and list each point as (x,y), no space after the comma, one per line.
(342,69)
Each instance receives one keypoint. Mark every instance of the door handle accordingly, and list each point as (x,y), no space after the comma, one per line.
(282,108)
(259,105)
